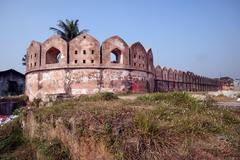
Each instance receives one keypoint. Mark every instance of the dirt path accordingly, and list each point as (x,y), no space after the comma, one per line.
(233,105)
(128,97)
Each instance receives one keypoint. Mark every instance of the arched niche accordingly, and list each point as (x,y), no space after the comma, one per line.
(54,51)
(165,73)
(117,47)
(116,56)
(170,74)
(175,75)
(158,72)
(53,55)
(150,60)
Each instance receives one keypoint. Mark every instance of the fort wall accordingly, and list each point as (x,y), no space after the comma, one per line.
(84,66)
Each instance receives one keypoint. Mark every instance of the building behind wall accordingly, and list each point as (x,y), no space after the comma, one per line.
(237,84)
(11,83)
(227,83)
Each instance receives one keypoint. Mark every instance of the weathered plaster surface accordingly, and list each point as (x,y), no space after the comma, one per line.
(85,67)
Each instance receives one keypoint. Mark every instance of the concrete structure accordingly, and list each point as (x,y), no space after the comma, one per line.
(84,66)
(237,84)
(11,83)
(227,83)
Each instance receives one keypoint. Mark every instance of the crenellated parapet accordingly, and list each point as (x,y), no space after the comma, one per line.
(116,47)
(33,56)
(86,51)
(173,80)
(85,66)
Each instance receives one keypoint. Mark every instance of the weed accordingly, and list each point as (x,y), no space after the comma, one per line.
(54,150)
(132,129)
(11,136)
(80,128)
(147,123)
(36,102)
(108,96)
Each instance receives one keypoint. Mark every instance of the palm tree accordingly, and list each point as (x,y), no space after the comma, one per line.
(68,29)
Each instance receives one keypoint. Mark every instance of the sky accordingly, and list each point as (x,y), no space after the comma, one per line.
(201,36)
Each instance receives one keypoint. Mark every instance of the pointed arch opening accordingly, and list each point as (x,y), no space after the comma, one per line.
(53,55)
(115,56)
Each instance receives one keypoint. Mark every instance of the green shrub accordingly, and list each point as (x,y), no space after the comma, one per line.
(54,150)
(175,98)
(106,96)
(11,136)
(147,122)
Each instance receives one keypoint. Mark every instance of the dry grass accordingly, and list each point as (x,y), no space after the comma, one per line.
(153,126)
(222,98)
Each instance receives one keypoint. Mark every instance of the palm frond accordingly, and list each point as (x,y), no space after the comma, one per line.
(63,26)
(59,32)
(68,29)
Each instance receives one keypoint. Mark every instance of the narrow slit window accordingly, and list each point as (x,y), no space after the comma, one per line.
(35,64)
(92,51)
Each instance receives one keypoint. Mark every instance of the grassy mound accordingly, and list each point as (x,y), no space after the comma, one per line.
(153,126)
(13,143)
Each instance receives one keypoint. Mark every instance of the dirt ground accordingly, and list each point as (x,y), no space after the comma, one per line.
(233,105)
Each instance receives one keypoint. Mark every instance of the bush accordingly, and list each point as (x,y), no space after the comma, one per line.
(54,150)
(147,122)
(11,136)
(176,98)
(107,96)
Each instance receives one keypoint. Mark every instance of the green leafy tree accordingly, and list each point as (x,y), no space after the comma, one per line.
(68,29)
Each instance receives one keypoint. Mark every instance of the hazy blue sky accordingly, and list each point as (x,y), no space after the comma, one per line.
(202,36)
